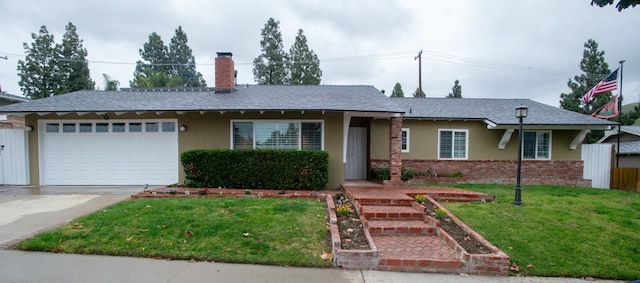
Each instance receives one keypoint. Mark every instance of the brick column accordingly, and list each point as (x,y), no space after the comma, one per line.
(395,150)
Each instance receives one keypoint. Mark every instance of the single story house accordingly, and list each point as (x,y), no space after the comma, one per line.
(135,136)
(629,155)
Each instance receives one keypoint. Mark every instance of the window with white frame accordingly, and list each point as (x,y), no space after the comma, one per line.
(536,145)
(278,134)
(405,139)
(3,118)
(453,144)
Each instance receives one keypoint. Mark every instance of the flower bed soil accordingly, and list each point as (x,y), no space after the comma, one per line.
(468,242)
(352,234)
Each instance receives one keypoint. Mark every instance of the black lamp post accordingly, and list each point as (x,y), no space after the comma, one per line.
(521,112)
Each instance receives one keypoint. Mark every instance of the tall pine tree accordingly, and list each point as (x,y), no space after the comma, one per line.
(74,68)
(185,64)
(154,69)
(419,94)
(39,72)
(270,66)
(594,69)
(456,90)
(397,91)
(304,65)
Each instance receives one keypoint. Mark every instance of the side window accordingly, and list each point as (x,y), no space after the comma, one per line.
(405,139)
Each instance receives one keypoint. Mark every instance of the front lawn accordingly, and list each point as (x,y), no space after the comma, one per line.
(240,230)
(560,231)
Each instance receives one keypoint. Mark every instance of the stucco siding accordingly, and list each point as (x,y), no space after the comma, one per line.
(206,131)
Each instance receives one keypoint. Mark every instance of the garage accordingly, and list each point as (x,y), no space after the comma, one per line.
(108,152)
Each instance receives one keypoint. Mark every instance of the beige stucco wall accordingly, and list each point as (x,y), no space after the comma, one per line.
(210,130)
(483,143)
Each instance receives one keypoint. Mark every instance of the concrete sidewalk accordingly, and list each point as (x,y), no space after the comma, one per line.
(19,266)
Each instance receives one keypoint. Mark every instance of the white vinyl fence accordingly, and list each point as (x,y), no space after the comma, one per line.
(597,164)
(13,157)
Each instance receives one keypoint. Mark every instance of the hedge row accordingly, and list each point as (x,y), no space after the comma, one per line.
(256,169)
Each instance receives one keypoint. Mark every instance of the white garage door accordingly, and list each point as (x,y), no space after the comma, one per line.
(112,152)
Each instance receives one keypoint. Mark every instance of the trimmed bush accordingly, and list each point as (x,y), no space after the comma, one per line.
(384,174)
(256,169)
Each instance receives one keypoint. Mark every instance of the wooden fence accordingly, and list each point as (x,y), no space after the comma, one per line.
(626,179)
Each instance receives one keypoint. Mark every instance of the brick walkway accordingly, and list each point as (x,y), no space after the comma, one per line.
(399,230)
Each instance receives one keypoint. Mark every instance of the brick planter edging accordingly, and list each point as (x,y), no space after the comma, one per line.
(495,263)
(350,259)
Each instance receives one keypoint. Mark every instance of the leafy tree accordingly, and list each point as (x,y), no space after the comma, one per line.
(39,72)
(419,93)
(303,64)
(594,70)
(622,4)
(397,91)
(110,84)
(270,66)
(73,67)
(153,72)
(185,64)
(457,90)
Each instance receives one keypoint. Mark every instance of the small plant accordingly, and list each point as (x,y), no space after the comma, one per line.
(343,210)
(202,192)
(420,199)
(441,213)
(172,191)
(247,192)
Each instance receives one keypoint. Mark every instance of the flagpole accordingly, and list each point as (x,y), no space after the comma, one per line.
(619,115)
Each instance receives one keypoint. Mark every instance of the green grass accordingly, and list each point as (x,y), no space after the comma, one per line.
(560,231)
(240,230)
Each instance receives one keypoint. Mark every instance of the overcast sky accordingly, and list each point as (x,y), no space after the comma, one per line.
(496,48)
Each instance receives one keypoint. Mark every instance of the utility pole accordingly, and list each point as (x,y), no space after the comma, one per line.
(419,58)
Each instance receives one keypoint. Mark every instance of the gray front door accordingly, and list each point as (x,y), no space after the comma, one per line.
(356,167)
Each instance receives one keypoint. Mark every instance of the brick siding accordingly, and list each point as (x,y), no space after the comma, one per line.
(542,172)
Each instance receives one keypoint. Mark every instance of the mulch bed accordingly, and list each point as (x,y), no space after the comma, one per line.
(351,229)
(467,241)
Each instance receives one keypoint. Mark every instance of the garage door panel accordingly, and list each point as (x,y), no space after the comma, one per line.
(108,158)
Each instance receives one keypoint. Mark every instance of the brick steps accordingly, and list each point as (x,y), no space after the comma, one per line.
(400,227)
(386,212)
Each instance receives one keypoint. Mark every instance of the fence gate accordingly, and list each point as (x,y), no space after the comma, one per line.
(14,167)
(597,160)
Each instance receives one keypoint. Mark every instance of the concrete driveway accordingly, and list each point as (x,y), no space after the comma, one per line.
(25,211)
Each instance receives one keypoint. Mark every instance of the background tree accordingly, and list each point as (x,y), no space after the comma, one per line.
(622,4)
(185,64)
(270,66)
(155,69)
(110,84)
(419,93)
(39,72)
(594,70)
(303,64)
(457,90)
(397,91)
(73,65)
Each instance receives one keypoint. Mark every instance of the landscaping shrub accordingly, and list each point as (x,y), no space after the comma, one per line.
(259,169)
(383,174)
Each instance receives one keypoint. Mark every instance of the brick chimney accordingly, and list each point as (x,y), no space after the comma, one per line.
(225,72)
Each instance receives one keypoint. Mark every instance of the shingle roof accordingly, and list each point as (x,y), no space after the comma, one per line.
(498,111)
(634,130)
(247,98)
(632,147)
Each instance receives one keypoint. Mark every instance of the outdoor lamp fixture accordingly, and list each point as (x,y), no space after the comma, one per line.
(29,128)
(521,112)
(183,128)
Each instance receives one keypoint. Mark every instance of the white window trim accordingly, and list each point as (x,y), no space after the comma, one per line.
(275,121)
(43,125)
(4,118)
(536,144)
(408,131)
(466,146)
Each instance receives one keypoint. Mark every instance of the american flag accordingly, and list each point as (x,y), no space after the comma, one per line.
(608,84)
